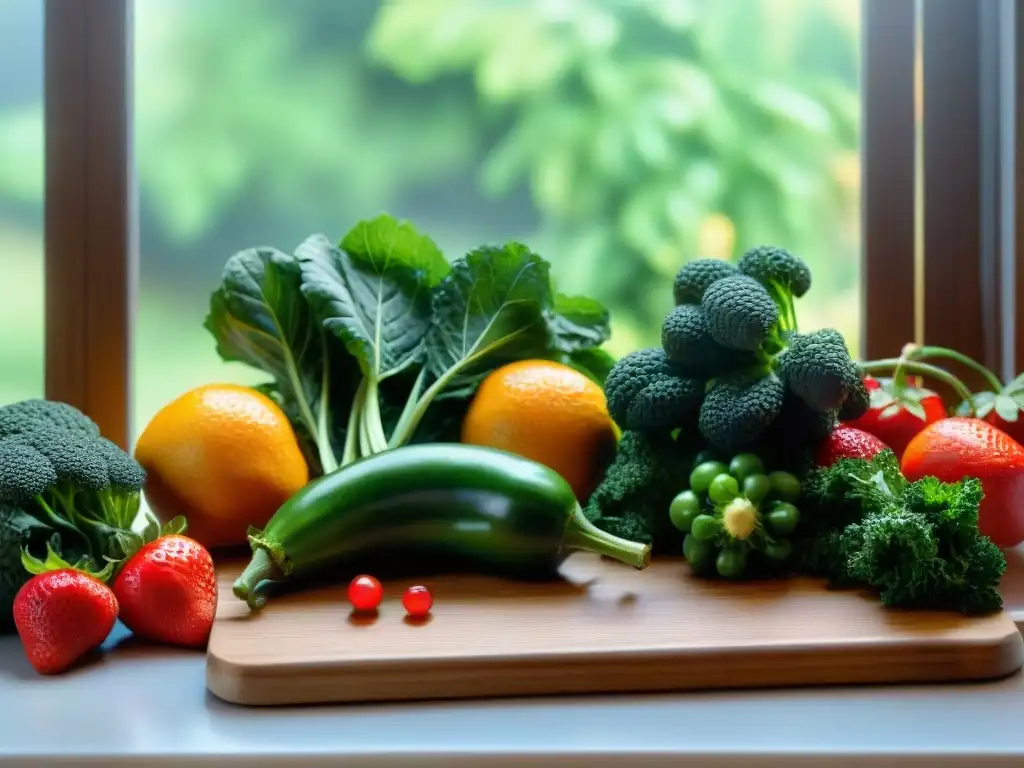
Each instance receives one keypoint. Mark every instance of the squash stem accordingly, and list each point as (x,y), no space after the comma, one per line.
(583,535)
(259,574)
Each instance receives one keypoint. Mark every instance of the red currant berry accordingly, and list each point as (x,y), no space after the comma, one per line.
(365,593)
(417,601)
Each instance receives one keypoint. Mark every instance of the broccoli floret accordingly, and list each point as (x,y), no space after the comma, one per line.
(632,500)
(740,312)
(29,415)
(686,339)
(784,275)
(817,367)
(736,412)
(645,392)
(857,403)
(695,276)
(917,543)
(24,472)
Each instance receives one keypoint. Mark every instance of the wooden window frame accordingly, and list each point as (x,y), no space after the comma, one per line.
(965,236)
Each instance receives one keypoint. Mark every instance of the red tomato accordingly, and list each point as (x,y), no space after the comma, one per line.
(955,448)
(898,426)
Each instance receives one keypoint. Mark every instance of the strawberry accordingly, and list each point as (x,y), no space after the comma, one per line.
(895,417)
(168,591)
(847,442)
(62,615)
(955,448)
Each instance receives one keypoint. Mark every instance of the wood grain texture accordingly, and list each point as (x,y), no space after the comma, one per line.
(607,628)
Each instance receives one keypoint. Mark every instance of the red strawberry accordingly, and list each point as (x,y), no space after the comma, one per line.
(955,448)
(847,442)
(62,615)
(168,591)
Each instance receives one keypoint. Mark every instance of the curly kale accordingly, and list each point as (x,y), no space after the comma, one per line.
(917,543)
(632,500)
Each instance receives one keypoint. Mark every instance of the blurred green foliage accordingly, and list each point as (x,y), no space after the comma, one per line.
(619,137)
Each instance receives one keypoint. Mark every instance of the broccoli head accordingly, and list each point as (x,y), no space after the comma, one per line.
(686,339)
(777,269)
(737,411)
(645,392)
(740,312)
(694,277)
(632,500)
(29,415)
(817,367)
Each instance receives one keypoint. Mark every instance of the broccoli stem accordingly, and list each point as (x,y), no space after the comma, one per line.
(582,535)
(921,369)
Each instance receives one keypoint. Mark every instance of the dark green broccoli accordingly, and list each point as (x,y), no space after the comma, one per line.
(784,275)
(740,312)
(645,392)
(686,339)
(694,277)
(29,415)
(632,500)
(857,403)
(817,367)
(917,543)
(737,411)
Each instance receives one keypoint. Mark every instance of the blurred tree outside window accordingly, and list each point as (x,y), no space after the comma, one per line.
(619,138)
(21,200)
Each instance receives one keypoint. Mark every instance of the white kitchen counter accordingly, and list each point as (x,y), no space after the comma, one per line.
(142,706)
(149,707)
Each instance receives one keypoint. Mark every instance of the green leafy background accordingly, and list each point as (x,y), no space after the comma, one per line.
(619,138)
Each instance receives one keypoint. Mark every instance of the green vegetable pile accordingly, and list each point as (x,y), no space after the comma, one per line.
(735,513)
(378,341)
(734,375)
(917,543)
(68,498)
(733,364)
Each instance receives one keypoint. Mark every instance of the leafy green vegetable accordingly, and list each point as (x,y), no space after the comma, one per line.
(917,543)
(259,316)
(367,338)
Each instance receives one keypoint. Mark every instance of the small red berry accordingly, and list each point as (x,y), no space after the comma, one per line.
(365,593)
(417,601)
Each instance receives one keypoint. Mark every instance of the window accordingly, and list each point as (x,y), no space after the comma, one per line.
(21,201)
(876,138)
(618,139)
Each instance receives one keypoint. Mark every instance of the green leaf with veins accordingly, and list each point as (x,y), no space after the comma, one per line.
(578,323)
(259,316)
(490,309)
(495,300)
(373,293)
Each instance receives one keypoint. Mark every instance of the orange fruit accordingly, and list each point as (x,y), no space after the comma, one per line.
(225,457)
(547,412)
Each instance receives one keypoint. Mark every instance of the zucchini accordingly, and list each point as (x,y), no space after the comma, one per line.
(498,510)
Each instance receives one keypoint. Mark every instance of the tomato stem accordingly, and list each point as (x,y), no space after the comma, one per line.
(921,369)
(924,352)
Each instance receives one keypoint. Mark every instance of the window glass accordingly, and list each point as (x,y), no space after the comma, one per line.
(619,139)
(21,199)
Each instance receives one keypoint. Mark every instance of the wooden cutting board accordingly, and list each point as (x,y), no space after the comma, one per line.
(607,628)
